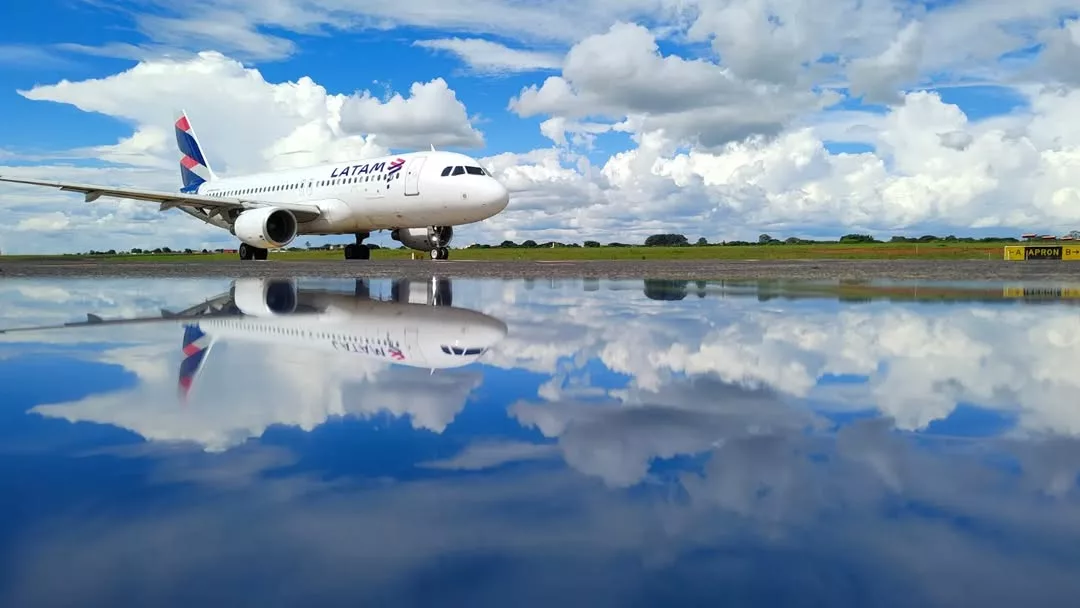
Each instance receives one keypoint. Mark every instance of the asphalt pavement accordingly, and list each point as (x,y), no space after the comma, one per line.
(935,270)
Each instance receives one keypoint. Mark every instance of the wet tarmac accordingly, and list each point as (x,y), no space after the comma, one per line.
(760,441)
(943,270)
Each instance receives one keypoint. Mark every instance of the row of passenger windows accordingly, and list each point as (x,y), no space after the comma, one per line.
(318,184)
(463,170)
(293,331)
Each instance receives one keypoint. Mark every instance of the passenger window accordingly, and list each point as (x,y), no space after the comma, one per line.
(459,170)
(446,171)
(474,170)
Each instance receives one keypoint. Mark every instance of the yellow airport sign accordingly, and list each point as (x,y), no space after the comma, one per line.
(1020,253)
(1049,291)
(1014,253)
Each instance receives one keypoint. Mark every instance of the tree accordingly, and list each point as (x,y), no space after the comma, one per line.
(666,240)
(592,243)
(529,243)
(702,242)
(857,238)
(508,244)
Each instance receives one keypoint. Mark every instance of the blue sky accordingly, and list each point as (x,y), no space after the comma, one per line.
(342,62)
(609,122)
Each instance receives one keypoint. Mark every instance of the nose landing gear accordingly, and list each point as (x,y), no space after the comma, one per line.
(440,253)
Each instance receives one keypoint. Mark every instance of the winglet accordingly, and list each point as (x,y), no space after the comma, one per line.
(432,147)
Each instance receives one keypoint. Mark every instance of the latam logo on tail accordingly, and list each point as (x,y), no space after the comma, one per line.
(194,171)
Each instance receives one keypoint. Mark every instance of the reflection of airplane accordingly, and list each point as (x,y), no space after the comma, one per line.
(418,196)
(431,335)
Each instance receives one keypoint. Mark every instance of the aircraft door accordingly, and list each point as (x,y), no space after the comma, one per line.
(308,189)
(412,342)
(412,176)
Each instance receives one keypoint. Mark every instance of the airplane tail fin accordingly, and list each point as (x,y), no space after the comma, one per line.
(194,170)
(195,347)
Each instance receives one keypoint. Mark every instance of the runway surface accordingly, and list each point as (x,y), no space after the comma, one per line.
(944,270)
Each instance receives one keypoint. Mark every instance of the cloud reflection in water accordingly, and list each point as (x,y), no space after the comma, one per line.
(610,448)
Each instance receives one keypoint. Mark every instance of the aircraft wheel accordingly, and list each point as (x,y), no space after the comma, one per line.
(260,253)
(444,253)
(357,252)
(436,253)
(246,252)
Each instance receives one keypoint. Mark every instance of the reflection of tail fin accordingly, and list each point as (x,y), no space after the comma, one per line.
(194,169)
(196,345)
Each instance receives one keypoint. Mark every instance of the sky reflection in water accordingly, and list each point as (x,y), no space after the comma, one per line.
(617,443)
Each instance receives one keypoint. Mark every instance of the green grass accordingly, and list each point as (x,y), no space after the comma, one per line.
(867,251)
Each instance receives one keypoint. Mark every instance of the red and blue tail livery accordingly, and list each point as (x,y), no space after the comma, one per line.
(194,170)
(195,345)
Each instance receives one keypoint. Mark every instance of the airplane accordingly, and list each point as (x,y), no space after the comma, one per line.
(418,196)
(429,334)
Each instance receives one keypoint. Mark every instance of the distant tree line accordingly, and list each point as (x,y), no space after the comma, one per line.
(680,240)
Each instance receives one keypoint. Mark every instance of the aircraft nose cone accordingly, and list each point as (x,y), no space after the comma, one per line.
(494,332)
(496,195)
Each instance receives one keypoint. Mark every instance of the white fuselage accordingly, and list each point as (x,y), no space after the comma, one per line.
(416,335)
(413,190)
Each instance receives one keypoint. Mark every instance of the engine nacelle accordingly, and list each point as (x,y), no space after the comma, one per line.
(424,239)
(265,297)
(266,227)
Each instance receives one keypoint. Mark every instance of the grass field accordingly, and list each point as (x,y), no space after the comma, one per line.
(868,251)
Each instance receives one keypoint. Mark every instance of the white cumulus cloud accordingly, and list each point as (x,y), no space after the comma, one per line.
(714,119)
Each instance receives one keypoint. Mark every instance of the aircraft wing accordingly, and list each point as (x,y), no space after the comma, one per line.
(209,205)
(218,306)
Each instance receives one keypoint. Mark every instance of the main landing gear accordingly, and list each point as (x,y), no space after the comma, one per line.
(247,252)
(359,251)
(440,253)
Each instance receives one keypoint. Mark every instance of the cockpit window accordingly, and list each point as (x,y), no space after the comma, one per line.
(459,170)
(458,350)
(474,170)
(446,171)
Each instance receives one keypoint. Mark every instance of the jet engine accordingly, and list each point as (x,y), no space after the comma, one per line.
(424,239)
(264,297)
(266,227)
